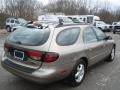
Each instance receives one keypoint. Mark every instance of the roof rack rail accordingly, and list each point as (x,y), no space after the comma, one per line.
(69,24)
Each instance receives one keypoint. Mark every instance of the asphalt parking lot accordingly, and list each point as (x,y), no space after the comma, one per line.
(102,76)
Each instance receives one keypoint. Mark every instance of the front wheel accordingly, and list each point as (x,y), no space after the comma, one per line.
(78,74)
(112,55)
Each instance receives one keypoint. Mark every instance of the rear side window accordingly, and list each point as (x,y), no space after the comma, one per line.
(29,36)
(68,36)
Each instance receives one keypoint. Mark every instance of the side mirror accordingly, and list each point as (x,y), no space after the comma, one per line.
(108,38)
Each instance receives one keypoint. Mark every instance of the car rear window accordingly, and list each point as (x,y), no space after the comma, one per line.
(29,36)
(68,36)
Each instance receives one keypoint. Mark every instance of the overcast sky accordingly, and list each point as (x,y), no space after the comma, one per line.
(115,3)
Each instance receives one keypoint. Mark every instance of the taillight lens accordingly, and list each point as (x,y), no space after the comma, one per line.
(51,57)
(35,55)
(45,57)
(6,45)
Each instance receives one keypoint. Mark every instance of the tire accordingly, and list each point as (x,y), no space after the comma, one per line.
(114,32)
(112,55)
(8,29)
(78,74)
(100,28)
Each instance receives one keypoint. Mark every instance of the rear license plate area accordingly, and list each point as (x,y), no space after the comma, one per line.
(19,55)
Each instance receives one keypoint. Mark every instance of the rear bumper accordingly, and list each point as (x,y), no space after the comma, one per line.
(42,76)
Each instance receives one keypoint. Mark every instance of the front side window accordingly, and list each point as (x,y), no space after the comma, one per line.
(68,36)
(89,35)
(100,34)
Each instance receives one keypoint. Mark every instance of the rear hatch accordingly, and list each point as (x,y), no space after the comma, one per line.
(26,46)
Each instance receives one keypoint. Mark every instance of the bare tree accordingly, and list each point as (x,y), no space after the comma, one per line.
(22,8)
(30,9)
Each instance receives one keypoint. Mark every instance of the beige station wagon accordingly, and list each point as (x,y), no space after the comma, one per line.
(61,52)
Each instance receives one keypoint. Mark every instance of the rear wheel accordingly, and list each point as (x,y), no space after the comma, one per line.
(114,32)
(8,29)
(78,74)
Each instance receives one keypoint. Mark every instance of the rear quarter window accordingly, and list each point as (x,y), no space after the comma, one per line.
(68,36)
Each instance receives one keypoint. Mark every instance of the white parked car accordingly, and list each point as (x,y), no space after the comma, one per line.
(102,25)
(14,22)
(116,28)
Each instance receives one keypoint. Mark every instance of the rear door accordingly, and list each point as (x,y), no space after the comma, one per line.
(93,47)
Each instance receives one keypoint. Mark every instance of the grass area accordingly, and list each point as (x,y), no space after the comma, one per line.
(3,31)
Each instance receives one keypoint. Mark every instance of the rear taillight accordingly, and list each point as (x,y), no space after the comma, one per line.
(6,45)
(35,55)
(43,56)
(51,57)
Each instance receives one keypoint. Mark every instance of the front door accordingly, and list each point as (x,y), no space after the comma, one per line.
(92,45)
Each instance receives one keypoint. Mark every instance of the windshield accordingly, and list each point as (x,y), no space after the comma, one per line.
(29,36)
(22,21)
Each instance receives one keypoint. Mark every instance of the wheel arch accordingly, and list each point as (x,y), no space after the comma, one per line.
(7,26)
(85,59)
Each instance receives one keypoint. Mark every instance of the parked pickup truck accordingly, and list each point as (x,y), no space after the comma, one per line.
(102,25)
(116,28)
